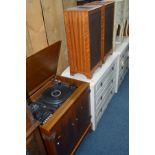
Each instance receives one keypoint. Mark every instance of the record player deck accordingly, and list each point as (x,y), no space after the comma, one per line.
(50,100)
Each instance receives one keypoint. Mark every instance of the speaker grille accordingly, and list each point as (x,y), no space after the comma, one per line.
(109,13)
(95,37)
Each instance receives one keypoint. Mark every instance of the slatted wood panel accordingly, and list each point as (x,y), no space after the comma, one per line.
(45,24)
(29,49)
(79,39)
(69,3)
(35,25)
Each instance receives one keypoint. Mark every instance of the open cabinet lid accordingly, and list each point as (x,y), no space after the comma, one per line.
(41,66)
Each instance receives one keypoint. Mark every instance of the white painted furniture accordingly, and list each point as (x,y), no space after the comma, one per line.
(118,22)
(122,51)
(126,16)
(102,86)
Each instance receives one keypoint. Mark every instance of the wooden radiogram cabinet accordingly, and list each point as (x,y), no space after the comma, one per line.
(83,32)
(63,133)
(107,25)
(65,129)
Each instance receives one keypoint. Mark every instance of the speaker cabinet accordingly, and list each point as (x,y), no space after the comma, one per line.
(83,33)
(107,25)
(118,22)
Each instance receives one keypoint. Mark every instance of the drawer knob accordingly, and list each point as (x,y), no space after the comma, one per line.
(101,84)
(112,81)
(112,68)
(73,124)
(58,143)
(59,137)
(122,67)
(76,119)
(101,98)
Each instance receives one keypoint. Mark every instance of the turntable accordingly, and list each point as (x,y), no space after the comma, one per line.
(60,104)
(51,100)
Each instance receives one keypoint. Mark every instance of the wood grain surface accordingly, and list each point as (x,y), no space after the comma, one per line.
(79,40)
(41,66)
(35,26)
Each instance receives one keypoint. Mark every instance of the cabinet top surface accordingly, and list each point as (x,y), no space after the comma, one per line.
(97,74)
(83,8)
(101,70)
(120,47)
(100,3)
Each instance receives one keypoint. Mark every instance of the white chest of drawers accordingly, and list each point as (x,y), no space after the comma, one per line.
(102,86)
(122,51)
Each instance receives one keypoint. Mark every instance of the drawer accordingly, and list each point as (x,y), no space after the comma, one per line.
(100,97)
(109,96)
(126,68)
(125,53)
(103,97)
(102,82)
(123,63)
(103,106)
(121,67)
(110,79)
(122,75)
(120,80)
(126,61)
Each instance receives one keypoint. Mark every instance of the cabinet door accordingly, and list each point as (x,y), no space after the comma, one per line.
(56,144)
(63,135)
(82,109)
(70,129)
(35,145)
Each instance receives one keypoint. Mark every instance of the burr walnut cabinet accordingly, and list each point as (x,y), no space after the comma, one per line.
(107,25)
(83,32)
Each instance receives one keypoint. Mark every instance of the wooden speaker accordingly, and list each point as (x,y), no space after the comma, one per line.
(107,25)
(83,33)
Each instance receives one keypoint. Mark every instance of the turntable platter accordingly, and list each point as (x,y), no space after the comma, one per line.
(57,94)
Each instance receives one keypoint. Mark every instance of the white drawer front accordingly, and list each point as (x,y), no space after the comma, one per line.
(108,81)
(103,81)
(103,98)
(102,107)
(122,74)
(125,53)
(100,97)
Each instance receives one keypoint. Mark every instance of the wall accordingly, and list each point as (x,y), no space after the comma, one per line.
(45,25)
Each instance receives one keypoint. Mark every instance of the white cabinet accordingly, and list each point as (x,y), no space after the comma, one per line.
(122,51)
(102,86)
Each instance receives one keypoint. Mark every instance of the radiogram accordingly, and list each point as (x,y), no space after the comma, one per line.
(83,32)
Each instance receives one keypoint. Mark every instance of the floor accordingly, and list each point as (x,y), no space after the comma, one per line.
(112,134)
